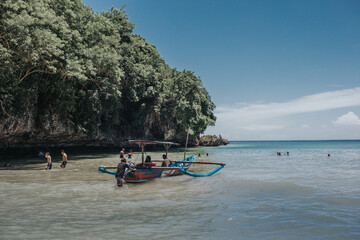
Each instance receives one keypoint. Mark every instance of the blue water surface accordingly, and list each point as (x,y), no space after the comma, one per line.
(304,195)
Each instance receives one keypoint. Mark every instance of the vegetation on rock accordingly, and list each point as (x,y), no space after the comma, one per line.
(61,60)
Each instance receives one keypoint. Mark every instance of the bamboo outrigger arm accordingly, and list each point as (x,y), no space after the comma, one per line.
(215,163)
(184,171)
(153,168)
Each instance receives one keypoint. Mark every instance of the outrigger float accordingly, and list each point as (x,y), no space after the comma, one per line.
(145,171)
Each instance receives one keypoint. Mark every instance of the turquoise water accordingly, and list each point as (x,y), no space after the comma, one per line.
(303,195)
(258,195)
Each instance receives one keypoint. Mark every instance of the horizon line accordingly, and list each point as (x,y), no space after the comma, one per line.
(284,140)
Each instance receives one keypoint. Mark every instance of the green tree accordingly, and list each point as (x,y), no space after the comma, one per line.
(59,57)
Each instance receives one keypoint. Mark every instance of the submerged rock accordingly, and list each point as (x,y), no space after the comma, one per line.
(212,140)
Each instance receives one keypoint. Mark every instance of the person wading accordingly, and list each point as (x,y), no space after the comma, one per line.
(121,171)
(64,159)
(49,163)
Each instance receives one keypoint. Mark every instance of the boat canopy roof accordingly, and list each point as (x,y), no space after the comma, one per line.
(145,142)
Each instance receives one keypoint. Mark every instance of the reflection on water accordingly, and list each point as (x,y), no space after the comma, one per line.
(257,195)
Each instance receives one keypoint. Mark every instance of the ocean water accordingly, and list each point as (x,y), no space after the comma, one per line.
(258,195)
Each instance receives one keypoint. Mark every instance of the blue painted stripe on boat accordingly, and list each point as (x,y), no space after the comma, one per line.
(201,175)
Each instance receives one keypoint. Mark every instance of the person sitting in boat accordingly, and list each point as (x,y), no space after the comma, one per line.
(148,161)
(122,166)
(166,161)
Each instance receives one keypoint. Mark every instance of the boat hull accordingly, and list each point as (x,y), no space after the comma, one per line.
(139,176)
(142,175)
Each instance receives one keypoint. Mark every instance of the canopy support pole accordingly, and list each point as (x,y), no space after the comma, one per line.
(167,146)
(142,154)
(186,143)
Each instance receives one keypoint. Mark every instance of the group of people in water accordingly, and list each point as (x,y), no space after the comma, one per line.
(64,160)
(285,154)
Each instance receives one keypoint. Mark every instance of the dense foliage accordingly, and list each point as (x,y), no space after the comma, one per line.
(59,57)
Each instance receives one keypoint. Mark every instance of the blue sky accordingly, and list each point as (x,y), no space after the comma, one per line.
(276,70)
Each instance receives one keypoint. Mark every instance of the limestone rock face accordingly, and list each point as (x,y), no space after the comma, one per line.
(30,133)
(212,140)
(52,131)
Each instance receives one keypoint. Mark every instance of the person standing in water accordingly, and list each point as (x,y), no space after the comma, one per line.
(122,152)
(64,159)
(121,171)
(49,163)
(130,154)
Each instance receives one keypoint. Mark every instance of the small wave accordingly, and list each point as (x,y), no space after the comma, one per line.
(267,187)
(350,202)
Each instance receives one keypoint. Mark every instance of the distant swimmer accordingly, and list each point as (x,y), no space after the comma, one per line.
(122,166)
(328,155)
(207,154)
(287,153)
(49,163)
(199,155)
(64,159)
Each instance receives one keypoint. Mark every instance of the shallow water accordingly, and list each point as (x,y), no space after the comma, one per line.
(258,195)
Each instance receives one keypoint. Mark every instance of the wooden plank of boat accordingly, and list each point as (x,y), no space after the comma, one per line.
(166,168)
(216,163)
(152,168)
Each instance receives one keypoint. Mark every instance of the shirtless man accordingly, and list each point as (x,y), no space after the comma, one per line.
(64,159)
(166,161)
(122,152)
(49,163)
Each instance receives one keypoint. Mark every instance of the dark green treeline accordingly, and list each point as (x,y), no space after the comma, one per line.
(59,57)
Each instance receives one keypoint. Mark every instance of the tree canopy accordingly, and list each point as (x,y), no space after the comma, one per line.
(59,57)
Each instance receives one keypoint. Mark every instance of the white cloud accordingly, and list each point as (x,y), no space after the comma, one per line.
(349,119)
(262,120)
(311,103)
(262,127)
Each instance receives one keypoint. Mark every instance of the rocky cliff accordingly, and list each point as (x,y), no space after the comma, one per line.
(26,135)
(212,140)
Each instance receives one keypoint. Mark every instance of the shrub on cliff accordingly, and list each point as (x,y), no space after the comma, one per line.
(60,57)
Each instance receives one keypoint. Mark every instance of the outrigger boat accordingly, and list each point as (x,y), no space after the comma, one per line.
(148,171)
